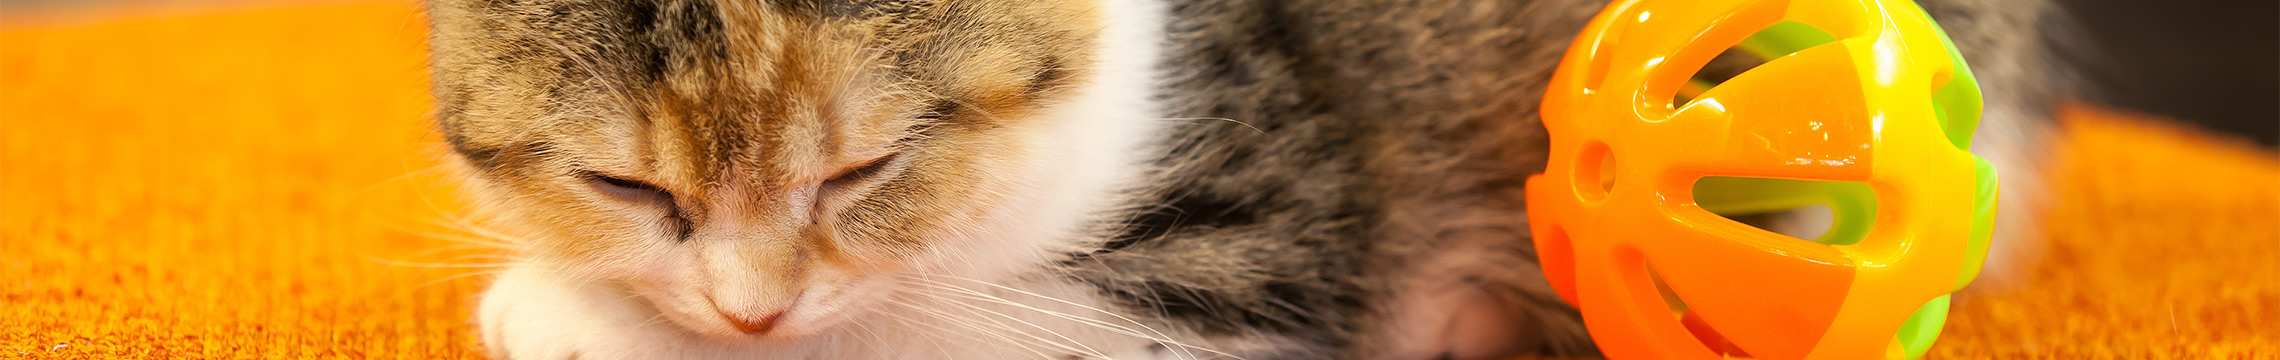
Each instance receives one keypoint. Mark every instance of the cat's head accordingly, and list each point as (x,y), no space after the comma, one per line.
(765,168)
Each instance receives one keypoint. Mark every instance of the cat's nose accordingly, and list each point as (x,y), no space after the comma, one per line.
(752,323)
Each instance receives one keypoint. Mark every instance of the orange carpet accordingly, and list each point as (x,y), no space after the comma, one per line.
(239,183)
(257,182)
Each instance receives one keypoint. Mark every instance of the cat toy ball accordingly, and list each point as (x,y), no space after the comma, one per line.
(1861,106)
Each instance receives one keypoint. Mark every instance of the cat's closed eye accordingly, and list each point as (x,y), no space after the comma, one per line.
(643,194)
(854,177)
(633,191)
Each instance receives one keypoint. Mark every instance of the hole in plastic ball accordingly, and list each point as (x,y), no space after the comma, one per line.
(1595,172)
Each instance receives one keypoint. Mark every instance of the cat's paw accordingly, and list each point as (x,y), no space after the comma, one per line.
(528,315)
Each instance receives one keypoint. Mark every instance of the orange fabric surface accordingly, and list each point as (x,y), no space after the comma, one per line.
(245,183)
(260,182)
(2160,243)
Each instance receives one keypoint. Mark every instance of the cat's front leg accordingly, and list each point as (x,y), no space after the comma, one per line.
(531,313)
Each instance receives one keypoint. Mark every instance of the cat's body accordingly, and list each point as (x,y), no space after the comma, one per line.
(993,179)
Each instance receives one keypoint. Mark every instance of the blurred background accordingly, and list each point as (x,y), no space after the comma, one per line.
(258,179)
(2215,63)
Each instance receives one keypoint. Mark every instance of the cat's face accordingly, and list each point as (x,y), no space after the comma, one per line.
(754,168)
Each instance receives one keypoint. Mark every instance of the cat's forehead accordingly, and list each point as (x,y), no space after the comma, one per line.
(774,87)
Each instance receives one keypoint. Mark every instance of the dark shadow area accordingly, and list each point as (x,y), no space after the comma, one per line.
(2214,63)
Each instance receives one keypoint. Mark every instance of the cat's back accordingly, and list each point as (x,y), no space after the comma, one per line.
(1327,153)
(1336,162)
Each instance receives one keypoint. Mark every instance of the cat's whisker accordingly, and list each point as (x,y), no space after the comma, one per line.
(399,177)
(960,322)
(1293,308)
(1160,338)
(456,223)
(863,325)
(975,295)
(451,248)
(457,277)
(475,235)
(873,342)
(937,340)
(972,309)
(442,265)
(945,349)
(1084,321)
(1237,122)
(503,259)
(452,221)
(1066,345)
(1156,209)
(466,243)
(1158,333)
(979,326)
(462,242)
(465,261)
(469,244)
(471,251)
